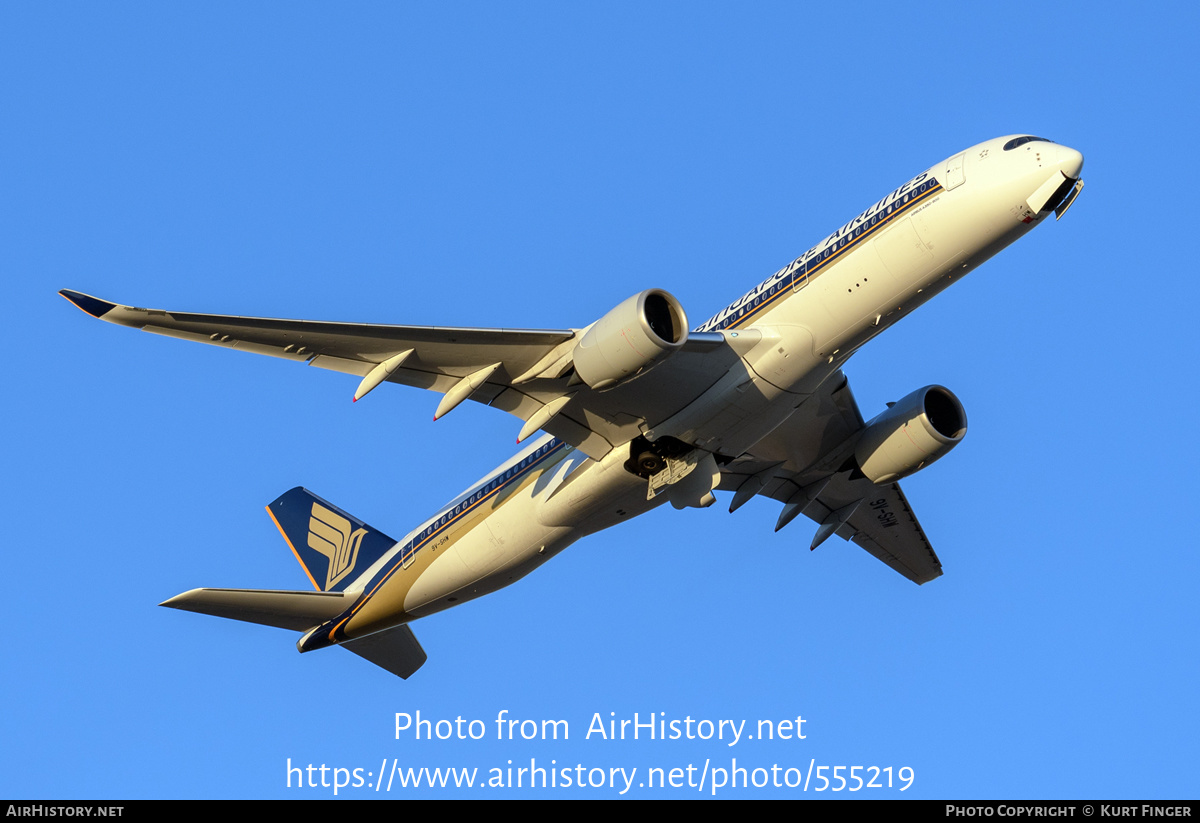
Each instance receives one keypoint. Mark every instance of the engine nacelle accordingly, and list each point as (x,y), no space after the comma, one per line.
(911,434)
(630,339)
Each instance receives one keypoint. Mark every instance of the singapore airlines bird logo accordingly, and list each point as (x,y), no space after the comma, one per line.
(330,534)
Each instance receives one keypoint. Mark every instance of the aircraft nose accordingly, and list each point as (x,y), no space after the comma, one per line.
(1070,162)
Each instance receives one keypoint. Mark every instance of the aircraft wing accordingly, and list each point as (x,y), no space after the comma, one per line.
(804,464)
(525,372)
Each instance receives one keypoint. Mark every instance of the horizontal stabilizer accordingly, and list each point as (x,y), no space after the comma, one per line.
(298,611)
(396,650)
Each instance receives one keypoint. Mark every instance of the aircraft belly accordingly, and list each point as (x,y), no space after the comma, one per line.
(751,388)
(596,495)
(525,549)
(507,538)
(445,574)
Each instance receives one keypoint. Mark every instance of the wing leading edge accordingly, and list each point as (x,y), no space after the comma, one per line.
(525,372)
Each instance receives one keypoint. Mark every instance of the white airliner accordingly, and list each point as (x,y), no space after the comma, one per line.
(637,410)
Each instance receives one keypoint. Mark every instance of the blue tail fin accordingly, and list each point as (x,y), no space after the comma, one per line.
(333,547)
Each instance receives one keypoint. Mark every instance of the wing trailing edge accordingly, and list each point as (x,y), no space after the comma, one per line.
(803,465)
(524,372)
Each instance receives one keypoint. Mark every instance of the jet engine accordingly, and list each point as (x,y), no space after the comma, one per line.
(639,333)
(911,434)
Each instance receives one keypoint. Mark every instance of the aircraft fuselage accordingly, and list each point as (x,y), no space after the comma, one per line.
(791,332)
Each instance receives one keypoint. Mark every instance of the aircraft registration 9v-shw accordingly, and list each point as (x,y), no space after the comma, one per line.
(637,410)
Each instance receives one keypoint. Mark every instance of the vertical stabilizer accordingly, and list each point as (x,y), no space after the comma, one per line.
(334,547)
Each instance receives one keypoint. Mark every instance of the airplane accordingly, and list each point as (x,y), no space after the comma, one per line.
(636,410)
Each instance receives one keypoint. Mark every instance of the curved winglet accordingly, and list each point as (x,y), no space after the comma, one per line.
(92,305)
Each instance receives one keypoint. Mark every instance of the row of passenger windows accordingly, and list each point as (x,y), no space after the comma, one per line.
(803,269)
(480,493)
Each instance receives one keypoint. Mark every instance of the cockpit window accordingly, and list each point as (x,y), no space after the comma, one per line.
(1021,141)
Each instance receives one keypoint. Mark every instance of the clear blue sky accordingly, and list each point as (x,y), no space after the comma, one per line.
(532,165)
